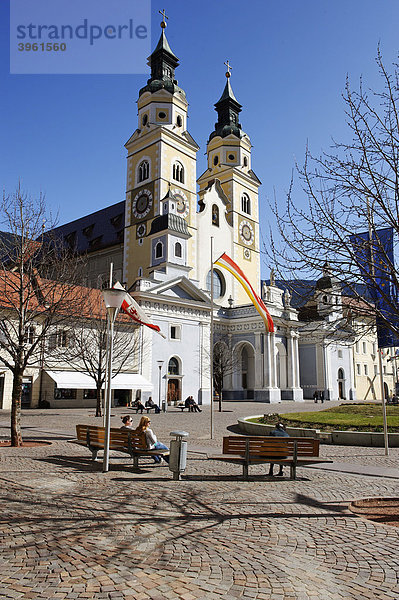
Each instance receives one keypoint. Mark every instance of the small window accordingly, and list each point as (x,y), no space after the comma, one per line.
(173,366)
(246,204)
(162,115)
(358,368)
(29,334)
(245,161)
(144,170)
(366,370)
(145,120)
(357,347)
(385,370)
(140,272)
(375,370)
(175,332)
(215,160)
(179,121)
(178,172)
(159,250)
(231,157)
(339,353)
(178,250)
(364,347)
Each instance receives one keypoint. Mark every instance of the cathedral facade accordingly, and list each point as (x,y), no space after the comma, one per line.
(168,250)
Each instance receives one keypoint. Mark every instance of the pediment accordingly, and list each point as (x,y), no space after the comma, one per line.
(181,288)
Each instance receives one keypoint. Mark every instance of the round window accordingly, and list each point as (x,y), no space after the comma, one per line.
(231,157)
(162,115)
(219,286)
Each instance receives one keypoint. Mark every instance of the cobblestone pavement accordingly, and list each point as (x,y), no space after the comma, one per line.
(70,531)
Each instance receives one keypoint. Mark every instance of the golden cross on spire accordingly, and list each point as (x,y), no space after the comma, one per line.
(163,13)
(228,74)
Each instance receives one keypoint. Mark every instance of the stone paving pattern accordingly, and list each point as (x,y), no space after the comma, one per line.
(70,531)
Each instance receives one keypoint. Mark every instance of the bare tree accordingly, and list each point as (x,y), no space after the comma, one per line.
(352,194)
(88,343)
(224,364)
(36,290)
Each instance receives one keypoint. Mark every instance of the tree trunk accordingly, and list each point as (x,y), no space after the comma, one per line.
(98,406)
(16,436)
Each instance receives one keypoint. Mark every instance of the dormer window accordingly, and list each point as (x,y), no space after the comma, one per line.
(246,204)
(144,170)
(178,172)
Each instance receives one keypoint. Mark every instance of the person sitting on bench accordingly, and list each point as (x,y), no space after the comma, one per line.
(279,431)
(151,404)
(139,406)
(151,439)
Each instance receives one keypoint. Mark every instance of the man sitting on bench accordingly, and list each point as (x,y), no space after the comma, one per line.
(279,431)
(151,404)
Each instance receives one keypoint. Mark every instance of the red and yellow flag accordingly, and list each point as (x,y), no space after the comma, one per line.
(226,262)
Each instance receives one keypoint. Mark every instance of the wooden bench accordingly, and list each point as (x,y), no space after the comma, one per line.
(121,440)
(251,450)
(183,406)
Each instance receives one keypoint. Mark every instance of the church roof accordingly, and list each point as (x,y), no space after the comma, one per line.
(163,63)
(228,109)
(96,231)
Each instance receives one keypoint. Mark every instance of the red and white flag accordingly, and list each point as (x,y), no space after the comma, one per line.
(227,263)
(135,312)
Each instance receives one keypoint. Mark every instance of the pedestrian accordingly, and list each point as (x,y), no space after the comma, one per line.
(151,439)
(316,396)
(322,397)
(279,431)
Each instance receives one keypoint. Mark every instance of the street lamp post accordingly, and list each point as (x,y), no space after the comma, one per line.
(113,299)
(160,365)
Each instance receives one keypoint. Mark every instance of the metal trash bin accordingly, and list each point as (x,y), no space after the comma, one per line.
(178,454)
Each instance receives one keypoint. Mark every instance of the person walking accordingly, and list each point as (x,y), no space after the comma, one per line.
(316,396)
(279,431)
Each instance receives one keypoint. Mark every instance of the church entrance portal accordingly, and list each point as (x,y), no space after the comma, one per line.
(174,391)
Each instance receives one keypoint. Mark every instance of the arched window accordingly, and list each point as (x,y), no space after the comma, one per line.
(158,250)
(173,366)
(215,215)
(246,204)
(341,374)
(140,272)
(219,286)
(178,250)
(144,170)
(178,172)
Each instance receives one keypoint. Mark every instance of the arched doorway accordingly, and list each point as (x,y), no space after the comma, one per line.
(244,370)
(174,381)
(341,384)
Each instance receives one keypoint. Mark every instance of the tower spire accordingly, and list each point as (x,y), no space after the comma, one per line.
(163,63)
(228,109)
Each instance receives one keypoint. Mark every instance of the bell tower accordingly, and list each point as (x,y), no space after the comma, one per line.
(229,161)
(161,159)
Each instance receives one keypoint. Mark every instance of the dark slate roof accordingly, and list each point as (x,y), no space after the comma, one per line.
(101,229)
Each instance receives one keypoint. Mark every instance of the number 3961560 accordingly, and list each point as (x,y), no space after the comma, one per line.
(42,47)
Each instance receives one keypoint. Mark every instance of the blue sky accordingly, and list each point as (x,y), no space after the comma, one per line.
(64,135)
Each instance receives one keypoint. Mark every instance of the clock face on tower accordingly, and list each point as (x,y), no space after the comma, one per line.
(246,232)
(141,204)
(182,203)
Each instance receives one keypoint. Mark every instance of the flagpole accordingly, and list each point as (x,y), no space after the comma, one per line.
(211,341)
(384,408)
(111,268)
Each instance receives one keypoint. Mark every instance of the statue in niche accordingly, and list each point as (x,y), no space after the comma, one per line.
(215,215)
(272,277)
(287,298)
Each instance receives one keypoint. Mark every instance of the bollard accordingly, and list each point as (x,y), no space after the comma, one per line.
(178,454)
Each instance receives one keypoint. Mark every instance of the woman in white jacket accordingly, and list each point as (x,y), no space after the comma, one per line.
(151,439)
